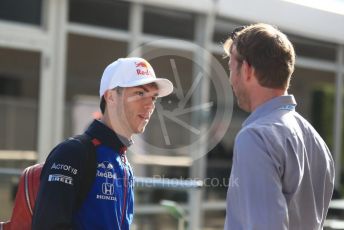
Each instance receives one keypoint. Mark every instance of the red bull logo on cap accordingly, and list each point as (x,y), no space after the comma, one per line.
(142,68)
(141,64)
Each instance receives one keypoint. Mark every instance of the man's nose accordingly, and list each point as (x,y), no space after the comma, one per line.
(150,104)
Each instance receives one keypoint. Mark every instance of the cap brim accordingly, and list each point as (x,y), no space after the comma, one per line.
(165,86)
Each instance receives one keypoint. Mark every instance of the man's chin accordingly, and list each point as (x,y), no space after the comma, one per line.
(244,108)
(140,130)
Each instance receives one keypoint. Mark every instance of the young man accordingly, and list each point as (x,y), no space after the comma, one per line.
(128,91)
(283,174)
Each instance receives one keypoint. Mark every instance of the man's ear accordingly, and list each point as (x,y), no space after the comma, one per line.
(248,70)
(110,97)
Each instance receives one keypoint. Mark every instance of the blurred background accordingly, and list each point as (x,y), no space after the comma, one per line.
(53,53)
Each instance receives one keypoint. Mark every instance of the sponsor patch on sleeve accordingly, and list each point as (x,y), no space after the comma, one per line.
(64,167)
(60,178)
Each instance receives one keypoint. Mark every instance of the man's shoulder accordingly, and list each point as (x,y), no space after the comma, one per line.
(249,134)
(258,127)
(278,122)
(267,129)
(68,149)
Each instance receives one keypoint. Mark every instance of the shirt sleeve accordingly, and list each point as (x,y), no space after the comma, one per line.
(59,187)
(255,198)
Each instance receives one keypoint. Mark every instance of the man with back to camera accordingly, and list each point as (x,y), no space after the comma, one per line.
(128,91)
(283,173)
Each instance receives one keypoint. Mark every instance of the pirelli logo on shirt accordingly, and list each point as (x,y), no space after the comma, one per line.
(60,178)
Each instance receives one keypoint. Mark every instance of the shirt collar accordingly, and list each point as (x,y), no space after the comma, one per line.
(282,102)
(107,136)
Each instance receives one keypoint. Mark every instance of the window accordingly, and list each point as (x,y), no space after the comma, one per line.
(26,11)
(105,13)
(314,49)
(19,87)
(168,23)
(10,86)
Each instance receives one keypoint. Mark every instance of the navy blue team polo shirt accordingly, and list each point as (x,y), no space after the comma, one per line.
(109,203)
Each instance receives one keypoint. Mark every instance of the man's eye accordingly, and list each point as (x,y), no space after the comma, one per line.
(140,93)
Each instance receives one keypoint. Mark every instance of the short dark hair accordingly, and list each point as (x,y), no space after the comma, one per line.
(103,102)
(268,50)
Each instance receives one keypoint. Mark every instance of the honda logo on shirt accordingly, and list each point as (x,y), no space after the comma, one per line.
(107,189)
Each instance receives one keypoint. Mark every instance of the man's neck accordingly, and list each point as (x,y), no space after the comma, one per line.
(263,94)
(115,127)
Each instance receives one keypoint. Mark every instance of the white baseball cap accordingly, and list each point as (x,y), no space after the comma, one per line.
(133,71)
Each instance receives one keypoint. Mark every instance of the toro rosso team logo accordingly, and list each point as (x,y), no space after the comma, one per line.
(142,68)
